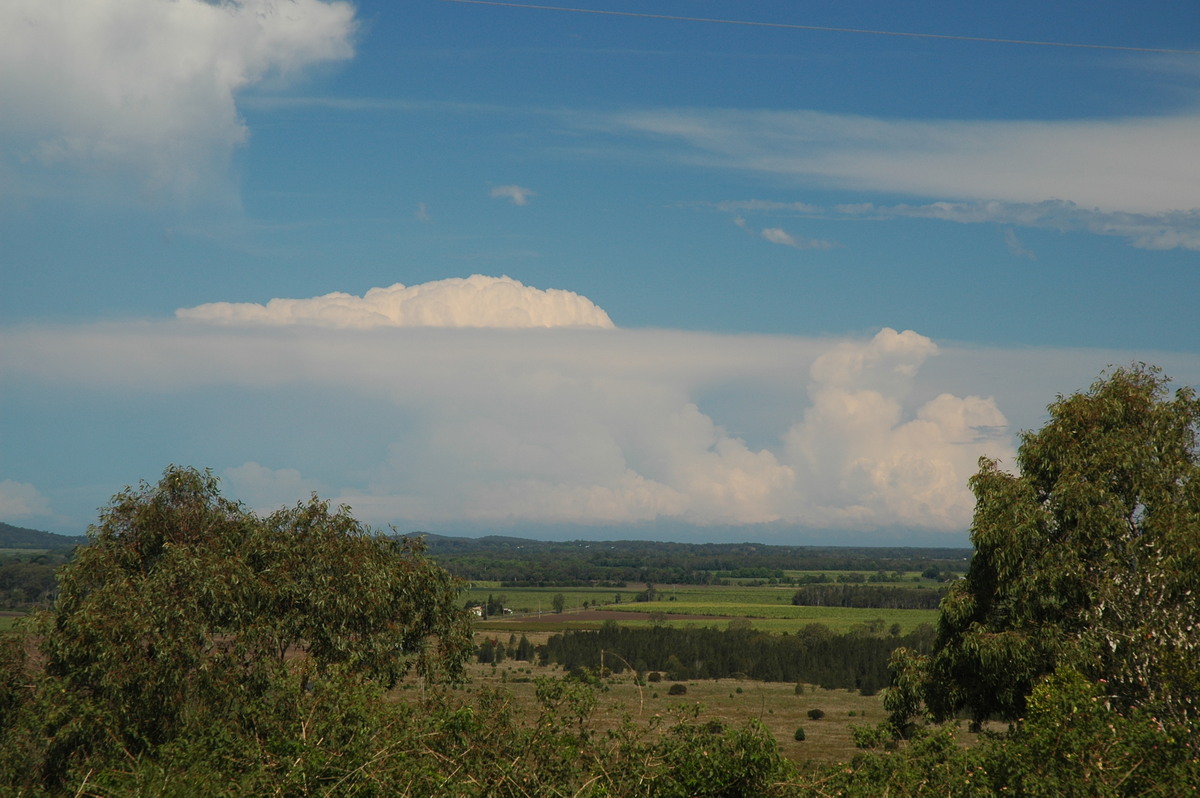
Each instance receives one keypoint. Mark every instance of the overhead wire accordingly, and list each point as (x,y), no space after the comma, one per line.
(826,28)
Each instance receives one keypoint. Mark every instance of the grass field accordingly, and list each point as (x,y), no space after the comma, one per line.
(768,608)
(7,620)
(778,705)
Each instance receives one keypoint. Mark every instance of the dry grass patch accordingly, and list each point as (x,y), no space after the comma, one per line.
(777,705)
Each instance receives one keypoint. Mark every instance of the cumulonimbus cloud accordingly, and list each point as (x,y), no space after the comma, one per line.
(559,425)
(476,301)
(863,459)
(150,86)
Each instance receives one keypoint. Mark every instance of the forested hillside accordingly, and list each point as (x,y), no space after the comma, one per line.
(15,537)
(519,562)
(27,570)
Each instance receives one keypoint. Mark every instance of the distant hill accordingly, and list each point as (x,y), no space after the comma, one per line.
(15,537)
(516,561)
(491,544)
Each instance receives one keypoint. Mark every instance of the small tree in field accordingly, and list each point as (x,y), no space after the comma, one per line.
(558,602)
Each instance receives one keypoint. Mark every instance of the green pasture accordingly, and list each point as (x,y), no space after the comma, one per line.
(910,579)
(837,619)
(760,615)
(768,608)
(529,600)
(526,600)
(8,620)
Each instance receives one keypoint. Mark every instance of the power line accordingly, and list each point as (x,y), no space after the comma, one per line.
(826,29)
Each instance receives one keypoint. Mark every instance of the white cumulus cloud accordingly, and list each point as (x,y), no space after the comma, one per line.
(861,459)
(20,500)
(518,194)
(476,301)
(265,489)
(149,87)
(777,235)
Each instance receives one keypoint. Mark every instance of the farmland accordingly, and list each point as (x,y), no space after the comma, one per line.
(768,608)
(781,706)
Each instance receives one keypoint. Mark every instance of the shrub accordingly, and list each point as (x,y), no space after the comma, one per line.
(816,714)
(799,735)
(677,689)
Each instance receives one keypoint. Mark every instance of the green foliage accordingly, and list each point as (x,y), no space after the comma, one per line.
(189,621)
(27,579)
(799,736)
(677,689)
(1088,558)
(816,714)
(1072,743)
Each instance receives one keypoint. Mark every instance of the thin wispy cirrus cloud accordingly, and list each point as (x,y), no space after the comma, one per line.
(1134,177)
(532,416)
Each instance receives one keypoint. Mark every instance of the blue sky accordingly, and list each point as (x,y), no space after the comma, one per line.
(654,272)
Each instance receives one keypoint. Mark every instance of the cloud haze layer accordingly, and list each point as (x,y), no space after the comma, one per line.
(557,425)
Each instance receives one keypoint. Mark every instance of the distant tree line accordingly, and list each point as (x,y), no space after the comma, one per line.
(516,562)
(872,596)
(857,660)
(27,580)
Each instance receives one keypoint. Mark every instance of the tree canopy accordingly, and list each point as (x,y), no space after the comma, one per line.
(1087,558)
(187,612)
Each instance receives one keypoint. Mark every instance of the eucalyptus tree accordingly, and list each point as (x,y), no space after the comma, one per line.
(188,615)
(1086,558)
